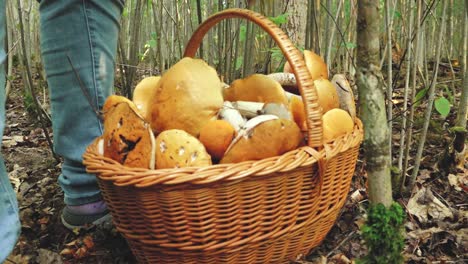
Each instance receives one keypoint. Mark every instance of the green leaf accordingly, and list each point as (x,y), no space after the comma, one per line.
(280,19)
(420,95)
(351,45)
(442,105)
(152,43)
(242,32)
(239,62)
(154,35)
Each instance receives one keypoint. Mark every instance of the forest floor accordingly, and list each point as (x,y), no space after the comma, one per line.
(436,227)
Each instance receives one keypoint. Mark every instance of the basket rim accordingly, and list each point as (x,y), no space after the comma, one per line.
(107,169)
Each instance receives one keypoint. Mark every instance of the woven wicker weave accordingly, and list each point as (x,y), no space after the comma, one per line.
(265,211)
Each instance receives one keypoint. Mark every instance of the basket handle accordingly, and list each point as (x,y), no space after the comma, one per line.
(294,57)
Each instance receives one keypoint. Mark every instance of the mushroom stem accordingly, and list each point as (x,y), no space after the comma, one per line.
(284,78)
(231,115)
(345,94)
(249,109)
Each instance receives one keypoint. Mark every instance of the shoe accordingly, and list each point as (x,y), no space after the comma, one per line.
(86,216)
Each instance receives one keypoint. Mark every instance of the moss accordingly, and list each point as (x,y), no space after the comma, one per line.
(383,234)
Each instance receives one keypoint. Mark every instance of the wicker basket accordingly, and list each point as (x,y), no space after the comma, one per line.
(265,211)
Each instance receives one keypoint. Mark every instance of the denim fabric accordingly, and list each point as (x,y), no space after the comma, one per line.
(86,31)
(9,220)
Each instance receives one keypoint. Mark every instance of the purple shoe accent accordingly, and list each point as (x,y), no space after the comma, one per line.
(88,209)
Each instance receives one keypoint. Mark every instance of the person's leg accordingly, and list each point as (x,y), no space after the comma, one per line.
(87,32)
(9,219)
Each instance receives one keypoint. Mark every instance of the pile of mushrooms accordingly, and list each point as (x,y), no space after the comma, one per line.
(188,117)
(336,98)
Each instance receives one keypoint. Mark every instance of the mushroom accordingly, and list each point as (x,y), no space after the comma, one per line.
(336,122)
(248,109)
(345,94)
(176,148)
(314,63)
(263,136)
(216,136)
(296,106)
(187,96)
(128,138)
(253,109)
(255,88)
(231,115)
(279,110)
(327,95)
(143,93)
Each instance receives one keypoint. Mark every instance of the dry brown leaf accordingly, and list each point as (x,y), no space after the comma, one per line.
(81,253)
(67,252)
(424,204)
(88,242)
(454,182)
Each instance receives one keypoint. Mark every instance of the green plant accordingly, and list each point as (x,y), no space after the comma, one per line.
(29,104)
(383,234)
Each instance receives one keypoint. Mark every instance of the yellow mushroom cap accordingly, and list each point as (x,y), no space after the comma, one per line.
(266,139)
(128,138)
(327,95)
(187,96)
(176,148)
(143,93)
(216,136)
(336,122)
(315,64)
(256,88)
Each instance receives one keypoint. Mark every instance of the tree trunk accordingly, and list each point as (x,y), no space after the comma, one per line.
(459,147)
(295,27)
(427,115)
(389,75)
(417,54)
(372,103)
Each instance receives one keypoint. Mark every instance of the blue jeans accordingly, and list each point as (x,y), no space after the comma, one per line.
(87,32)
(9,219)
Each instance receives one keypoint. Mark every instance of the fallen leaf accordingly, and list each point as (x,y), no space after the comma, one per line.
(67,252)
(340,259)
(424,204)
(88,241)
(73,243)
(44,220)
(81,253)
(16,175)
(423,235)
(46,256)
(9,142)
(357,196)
(454,182)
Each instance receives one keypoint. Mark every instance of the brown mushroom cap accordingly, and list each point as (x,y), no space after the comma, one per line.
(187,96)
(176,148)
(327,95)
(256,88)
(216,136)
(128,138)
(143,93)
(296,106)
(315,65)
(267,139)
(336,122)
